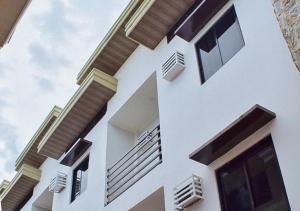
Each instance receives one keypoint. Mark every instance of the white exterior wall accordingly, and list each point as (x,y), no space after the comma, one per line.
(49,169)
(262,72)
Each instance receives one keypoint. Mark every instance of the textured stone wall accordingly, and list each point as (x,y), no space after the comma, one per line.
(288,15)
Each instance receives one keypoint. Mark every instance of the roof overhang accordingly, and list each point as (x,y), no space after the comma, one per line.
(153,20)
(3,186)
(114,49)
(30,155)
(10,13)
(200,14)
(18,189)
(249,122)
(88,100)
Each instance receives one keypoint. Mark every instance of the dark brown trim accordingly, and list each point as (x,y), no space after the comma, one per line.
(195,19)
(78,149)
(233,134)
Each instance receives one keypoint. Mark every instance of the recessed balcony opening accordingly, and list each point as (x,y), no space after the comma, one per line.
(44,201)
(134,146)
(154,202)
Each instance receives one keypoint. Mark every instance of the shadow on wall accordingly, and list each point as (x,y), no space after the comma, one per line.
(43,202)
(155,201)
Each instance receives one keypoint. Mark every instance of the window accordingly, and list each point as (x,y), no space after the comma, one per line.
(253,181)
(80,175)
(219,44)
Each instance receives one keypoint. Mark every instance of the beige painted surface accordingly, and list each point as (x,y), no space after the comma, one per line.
(10,13)
(30,155)
(154,19)
(20,186)
(87,101)
(114,49)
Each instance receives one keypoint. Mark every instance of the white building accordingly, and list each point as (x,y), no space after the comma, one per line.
(187,104)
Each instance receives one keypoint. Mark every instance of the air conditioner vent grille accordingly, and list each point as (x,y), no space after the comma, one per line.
(173,66)
(188,192)
(58,183)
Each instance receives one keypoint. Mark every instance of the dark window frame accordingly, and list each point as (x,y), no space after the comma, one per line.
(73,189)
(212,28)
(265,142)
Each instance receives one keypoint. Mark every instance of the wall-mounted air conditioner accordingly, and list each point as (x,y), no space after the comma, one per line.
(144,137)
(173,66)
(188,192)
(58,183)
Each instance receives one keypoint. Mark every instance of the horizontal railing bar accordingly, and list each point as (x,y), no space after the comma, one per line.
(157,127)
(133,154)
(110,174)
(108,170)
(150,161)
(135,166)
(140,147)
(135,181)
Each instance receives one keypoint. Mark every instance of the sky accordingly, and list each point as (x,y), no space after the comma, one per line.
(38,67)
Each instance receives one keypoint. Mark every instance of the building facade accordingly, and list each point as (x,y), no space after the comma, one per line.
(184,105)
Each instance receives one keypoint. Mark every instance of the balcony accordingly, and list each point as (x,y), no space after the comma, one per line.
(134,165)
(133,140)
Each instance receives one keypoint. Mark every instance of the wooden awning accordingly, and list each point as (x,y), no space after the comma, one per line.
(233,134)
(114,49)
(188,28)
(19,188)
(153,20)
(30,155)
(10,13)
(89,99)
(79,148)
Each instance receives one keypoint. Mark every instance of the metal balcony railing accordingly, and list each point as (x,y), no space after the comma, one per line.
(134,165)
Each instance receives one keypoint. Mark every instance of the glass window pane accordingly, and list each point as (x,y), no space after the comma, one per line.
(84,178)
(77,183)
(234,188)
(268,191)
(80,176)
(253,181)
(229,35)
(210,57)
